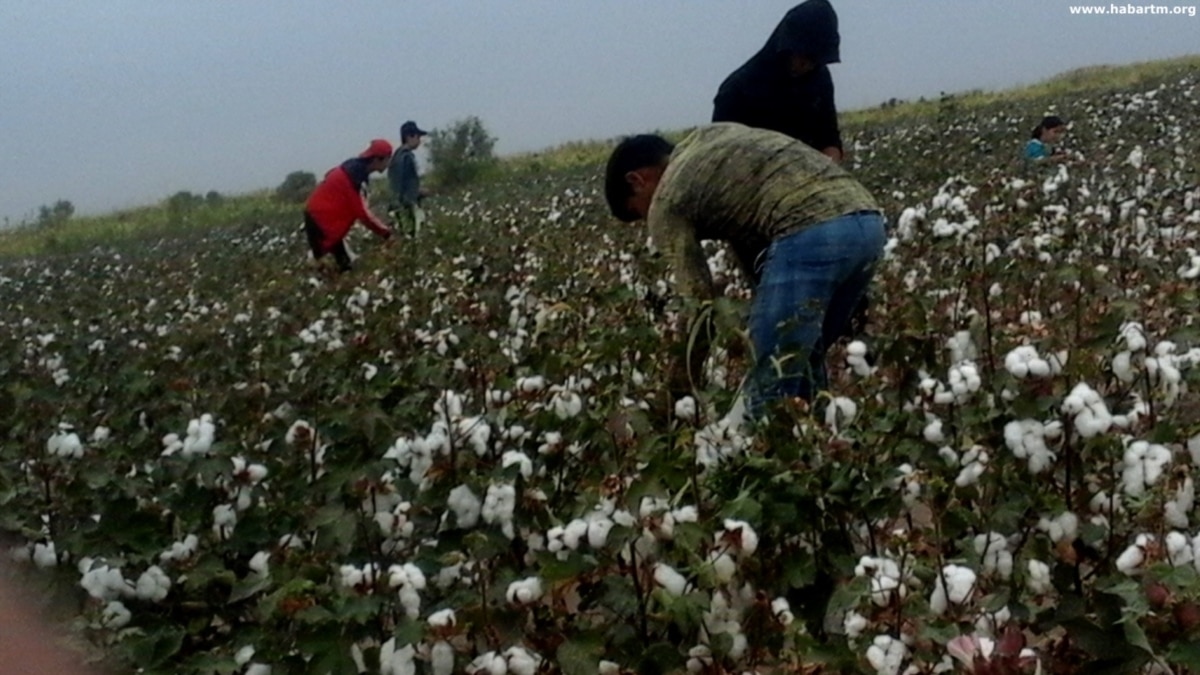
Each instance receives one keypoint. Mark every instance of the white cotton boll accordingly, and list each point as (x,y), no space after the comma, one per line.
(685,409)
(1063,527)
(1038,580)
(224,519)
(670,580)
(994,554)
(1122,367)
(566,404)
(443,618)
(489,663)
(1133,335)
(350,576)
(990,623)
(1143,466)
(299,432)
(525,591)
(44,555)
(260,564)
(598,528)
(740,536)
(394,661)
(699,658)
(519,459)
(954,586)
(1039,368)
(1179,549)
(974,463)
(441,658)
(115,616)
(933,431)
(180,550)
(410,600)
(100,434)
(65,444)
(782,610)
(724,567)
(521,661)
(886,655)
(153,585)
(498,506)
(531,385)
(854,624)
(948,455)
(609,668)
(840,412)
(243,655)
(1131,559)
(466,506)
(258,669)
(1177,509)
(106,583)
(200,435)
(574,532)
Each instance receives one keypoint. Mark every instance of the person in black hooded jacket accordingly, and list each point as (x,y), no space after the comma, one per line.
(786,86)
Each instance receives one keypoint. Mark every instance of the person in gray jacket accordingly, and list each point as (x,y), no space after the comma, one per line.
(406,182)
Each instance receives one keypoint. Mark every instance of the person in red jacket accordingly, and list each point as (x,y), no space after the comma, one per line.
(339,200)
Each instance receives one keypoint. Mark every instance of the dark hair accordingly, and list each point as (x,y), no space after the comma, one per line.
(631,154)
(1048,122)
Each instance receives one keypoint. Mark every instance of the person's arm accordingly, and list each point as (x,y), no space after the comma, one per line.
(364,215)
(676,238)
(828,135)
(26,645)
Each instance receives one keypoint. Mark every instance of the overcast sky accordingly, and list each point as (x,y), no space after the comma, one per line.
(116,103)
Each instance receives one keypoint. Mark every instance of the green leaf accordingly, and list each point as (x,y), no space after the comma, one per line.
(153,650)
(248,587)
(1185,654)
(800,570)
(579,657)
(409,632)
(314,614)
(743,508)
(658,659)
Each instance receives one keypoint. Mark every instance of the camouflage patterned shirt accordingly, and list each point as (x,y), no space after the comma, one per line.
(747,187)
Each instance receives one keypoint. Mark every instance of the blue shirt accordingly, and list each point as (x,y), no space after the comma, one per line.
(1035,149)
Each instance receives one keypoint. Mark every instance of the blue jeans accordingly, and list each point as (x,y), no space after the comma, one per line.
(811,282)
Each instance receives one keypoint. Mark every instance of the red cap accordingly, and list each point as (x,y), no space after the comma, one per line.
(378,148)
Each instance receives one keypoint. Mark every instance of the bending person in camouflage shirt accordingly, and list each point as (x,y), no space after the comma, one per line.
(805,233)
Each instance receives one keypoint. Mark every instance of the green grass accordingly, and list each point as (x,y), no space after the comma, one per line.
(159,220)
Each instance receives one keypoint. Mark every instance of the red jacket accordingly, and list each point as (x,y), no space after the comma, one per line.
(337,202)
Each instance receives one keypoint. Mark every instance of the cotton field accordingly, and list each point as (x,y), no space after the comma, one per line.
(461,456)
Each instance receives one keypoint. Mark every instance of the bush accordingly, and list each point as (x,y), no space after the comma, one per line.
(296,188)
(461,153)
(59,213)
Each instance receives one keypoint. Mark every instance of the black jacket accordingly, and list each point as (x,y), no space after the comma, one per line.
(762,93)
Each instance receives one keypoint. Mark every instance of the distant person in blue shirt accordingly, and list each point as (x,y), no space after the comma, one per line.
(405,182)
(1042,147)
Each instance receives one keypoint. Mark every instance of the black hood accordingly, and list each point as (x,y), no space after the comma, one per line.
(811,29)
